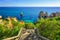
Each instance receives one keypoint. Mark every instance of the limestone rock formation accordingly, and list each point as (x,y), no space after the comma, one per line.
(45,15)
(1,21)
(27,34)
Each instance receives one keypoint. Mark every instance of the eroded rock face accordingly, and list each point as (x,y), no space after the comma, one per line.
(28,34)
(31,34)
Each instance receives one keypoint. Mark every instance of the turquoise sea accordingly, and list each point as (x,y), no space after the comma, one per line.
(29,13)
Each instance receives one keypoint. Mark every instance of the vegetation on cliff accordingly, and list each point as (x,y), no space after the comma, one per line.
(49,27)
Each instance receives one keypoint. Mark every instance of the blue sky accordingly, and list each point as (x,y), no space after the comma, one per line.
(23,3)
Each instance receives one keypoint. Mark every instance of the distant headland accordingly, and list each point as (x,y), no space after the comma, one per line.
(45,15)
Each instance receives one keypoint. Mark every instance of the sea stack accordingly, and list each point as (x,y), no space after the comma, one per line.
(43,15)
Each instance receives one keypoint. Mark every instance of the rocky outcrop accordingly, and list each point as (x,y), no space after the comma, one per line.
(1,21)
(45,15)
(27,34)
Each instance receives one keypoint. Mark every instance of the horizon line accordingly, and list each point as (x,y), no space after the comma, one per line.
(29,6)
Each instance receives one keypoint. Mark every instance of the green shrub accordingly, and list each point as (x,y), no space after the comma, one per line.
(49,28)
(29,25)
(5,32)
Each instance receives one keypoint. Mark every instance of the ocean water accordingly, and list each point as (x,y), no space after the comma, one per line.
(29,13)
